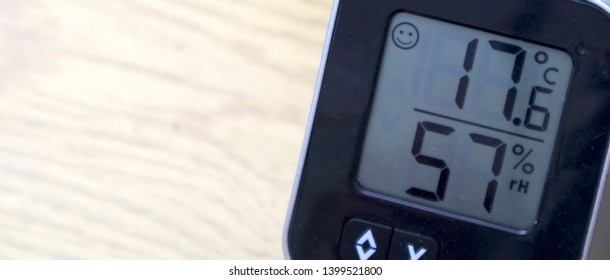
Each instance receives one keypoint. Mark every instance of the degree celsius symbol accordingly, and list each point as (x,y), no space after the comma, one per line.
(542,58)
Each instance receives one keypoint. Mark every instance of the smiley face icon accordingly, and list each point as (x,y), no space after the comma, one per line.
(405,35)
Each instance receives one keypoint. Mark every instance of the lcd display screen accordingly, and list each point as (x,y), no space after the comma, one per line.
(463,122)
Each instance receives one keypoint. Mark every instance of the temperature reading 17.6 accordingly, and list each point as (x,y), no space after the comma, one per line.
(511,93)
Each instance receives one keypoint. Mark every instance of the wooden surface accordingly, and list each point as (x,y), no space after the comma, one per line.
(152,129)
(155,129)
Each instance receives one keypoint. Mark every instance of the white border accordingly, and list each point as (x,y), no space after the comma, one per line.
(303,270)
(314,105)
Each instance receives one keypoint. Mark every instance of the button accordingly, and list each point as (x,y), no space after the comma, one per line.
(364,240)
(411,246)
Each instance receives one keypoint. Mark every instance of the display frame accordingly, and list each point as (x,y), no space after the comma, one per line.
(370,189)
(325,196)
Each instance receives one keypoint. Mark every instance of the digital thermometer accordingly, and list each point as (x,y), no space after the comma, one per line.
(456,129)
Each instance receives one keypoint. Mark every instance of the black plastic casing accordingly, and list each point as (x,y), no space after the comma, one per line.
(327,195)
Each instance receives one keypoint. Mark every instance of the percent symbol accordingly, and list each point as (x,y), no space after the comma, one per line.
(527,168)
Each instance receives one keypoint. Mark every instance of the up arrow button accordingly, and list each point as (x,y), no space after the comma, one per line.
(364,240)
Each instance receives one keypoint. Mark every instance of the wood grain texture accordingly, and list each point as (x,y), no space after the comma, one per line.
(152,129)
